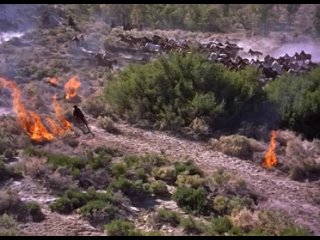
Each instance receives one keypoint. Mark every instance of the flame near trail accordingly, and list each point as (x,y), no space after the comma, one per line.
(31,122)
(270,159)
(71,87)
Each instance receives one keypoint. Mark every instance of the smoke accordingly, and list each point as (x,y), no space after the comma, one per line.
(309,46)
(273,47)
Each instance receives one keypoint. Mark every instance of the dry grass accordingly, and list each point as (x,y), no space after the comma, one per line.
(245,219)
(237,146)
(35,167)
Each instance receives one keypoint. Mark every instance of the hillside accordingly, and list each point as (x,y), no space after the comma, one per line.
(191,167)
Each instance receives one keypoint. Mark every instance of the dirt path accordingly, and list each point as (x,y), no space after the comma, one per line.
(281,192)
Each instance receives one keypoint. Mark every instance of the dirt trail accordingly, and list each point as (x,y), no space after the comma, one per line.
(281,192)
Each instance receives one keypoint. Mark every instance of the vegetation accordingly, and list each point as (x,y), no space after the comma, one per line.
(177,90)
(192,200)
(121,228)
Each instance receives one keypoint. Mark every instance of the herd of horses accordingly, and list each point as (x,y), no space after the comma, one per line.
(226,53)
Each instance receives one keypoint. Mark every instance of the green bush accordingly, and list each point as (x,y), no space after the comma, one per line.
(131,188)
(192,200)
(220,204)
(175,90)
(58,160)
(167,216)
(121,228)
(167,174)
(219,226)
(188,168)
(73,199)
(159,188)
(190,225)
(193,181)
(298,102)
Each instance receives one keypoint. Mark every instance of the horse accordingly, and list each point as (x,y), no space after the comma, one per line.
(254,53)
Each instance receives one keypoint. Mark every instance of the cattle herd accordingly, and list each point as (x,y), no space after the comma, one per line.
(226,53)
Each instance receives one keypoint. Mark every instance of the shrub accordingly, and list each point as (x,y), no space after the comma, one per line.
(175,90)
(8,225)
(220,177)
(190,225)
(220,204)
(219,226)
(131,188)
(70,200)
(245,220)
(191,200)
(159,188)
(193,181)
(188,168)
(234,145)
(167,174)
(61,160)
(167,216)
(107,124)
(35,211)
(121,228)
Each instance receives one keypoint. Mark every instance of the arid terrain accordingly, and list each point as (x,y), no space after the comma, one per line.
(32,171)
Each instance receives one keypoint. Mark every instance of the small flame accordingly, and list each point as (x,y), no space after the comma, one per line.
(29,121)
(54,81)
(270,159)
(71,87)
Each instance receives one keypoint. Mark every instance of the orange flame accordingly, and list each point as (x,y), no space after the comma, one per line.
(29,121)
(54,81)
(270,159)
(58,111)
(71,87)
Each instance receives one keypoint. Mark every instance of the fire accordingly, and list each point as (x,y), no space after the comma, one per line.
(58,111)
(29,121)
(270,159)
(71,87)
(54,81)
